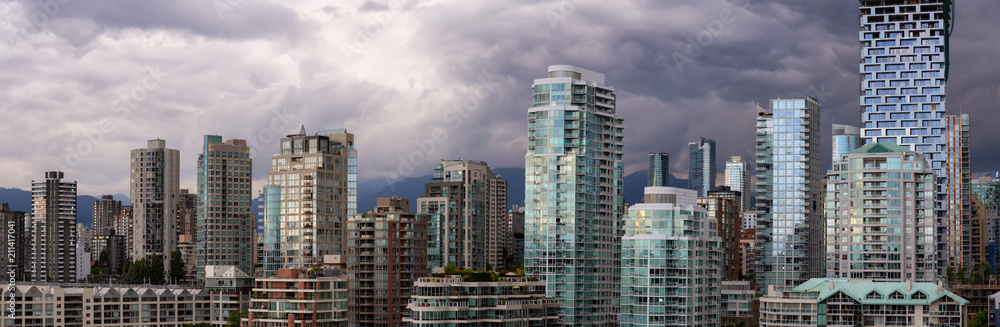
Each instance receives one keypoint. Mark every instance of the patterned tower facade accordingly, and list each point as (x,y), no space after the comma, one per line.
(738,179)
(53,229)
(701,166)
(658,170)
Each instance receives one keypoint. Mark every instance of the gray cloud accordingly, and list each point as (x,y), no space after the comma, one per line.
(395,72)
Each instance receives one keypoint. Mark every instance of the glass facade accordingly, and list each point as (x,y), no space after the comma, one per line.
(846,138)
(701,166)
(574,200)
(671,262)
(658,171)
(789,232)
(316,176)
(738,179)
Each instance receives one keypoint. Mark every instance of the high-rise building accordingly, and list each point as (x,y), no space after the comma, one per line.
(904,73)
(18,253)
(225,225)
(748,252)
(155,185)
(671,262)
(880,216)
(904,70)
(466,203)
(386,254)
(53,229)
(84,235)
(105,211)
(846,138)
(312,190)
(958,191)
(187,212)
(701,166)
(515,227)
(738,179)
(124,225)
(987,191)
(574,200)
(115,248)
(723,205)
(658,172)
(789,217)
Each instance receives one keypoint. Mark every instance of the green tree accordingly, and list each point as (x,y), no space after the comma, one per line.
(136,272)
(103,257)
(960,275)
(980,319)
(156,271)
(450,269)
(234,318)
(176,266)
(951,275)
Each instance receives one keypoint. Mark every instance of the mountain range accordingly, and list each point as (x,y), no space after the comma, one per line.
(20,200)
(368,192)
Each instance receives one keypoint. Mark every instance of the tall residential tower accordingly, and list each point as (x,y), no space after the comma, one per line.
(312,190)
(155,187)
(701,166)
(789,209)
(574,201)
(53,229)
(224,225)
(738,179)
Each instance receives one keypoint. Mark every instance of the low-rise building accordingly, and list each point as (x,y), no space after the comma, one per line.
(296,298)
(70,305)
(846,302)
(739,303)
(505,301)
(230,290)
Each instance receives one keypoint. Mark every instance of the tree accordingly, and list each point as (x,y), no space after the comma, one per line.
(450,269)
(960,275)
(103,257)
(234,318)
(951,275)
(156,270)
(176,266)
(136,272)
(980,319)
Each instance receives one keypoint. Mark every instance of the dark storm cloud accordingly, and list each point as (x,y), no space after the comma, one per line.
(398,74)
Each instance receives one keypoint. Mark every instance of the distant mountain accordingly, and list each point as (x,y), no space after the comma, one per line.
(411,188)
(20,200)
(635,182)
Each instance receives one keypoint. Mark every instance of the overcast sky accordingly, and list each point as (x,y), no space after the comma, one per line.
(85,81)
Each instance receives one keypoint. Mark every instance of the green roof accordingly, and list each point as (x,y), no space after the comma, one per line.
(881,148)
(859,291)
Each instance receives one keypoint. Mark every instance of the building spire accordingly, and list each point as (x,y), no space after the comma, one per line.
(302,130)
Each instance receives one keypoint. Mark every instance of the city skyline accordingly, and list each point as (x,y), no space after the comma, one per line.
(259,88)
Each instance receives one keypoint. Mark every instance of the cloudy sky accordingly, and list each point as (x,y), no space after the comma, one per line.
(84,81)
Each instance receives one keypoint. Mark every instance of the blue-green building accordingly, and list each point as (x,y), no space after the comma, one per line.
(225,226)
(574,200)
(671,262)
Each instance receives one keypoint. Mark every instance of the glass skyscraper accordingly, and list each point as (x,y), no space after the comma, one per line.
(789,218)
(671,262)
(658,172)
(738,179)
(701,166)
(574,201)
